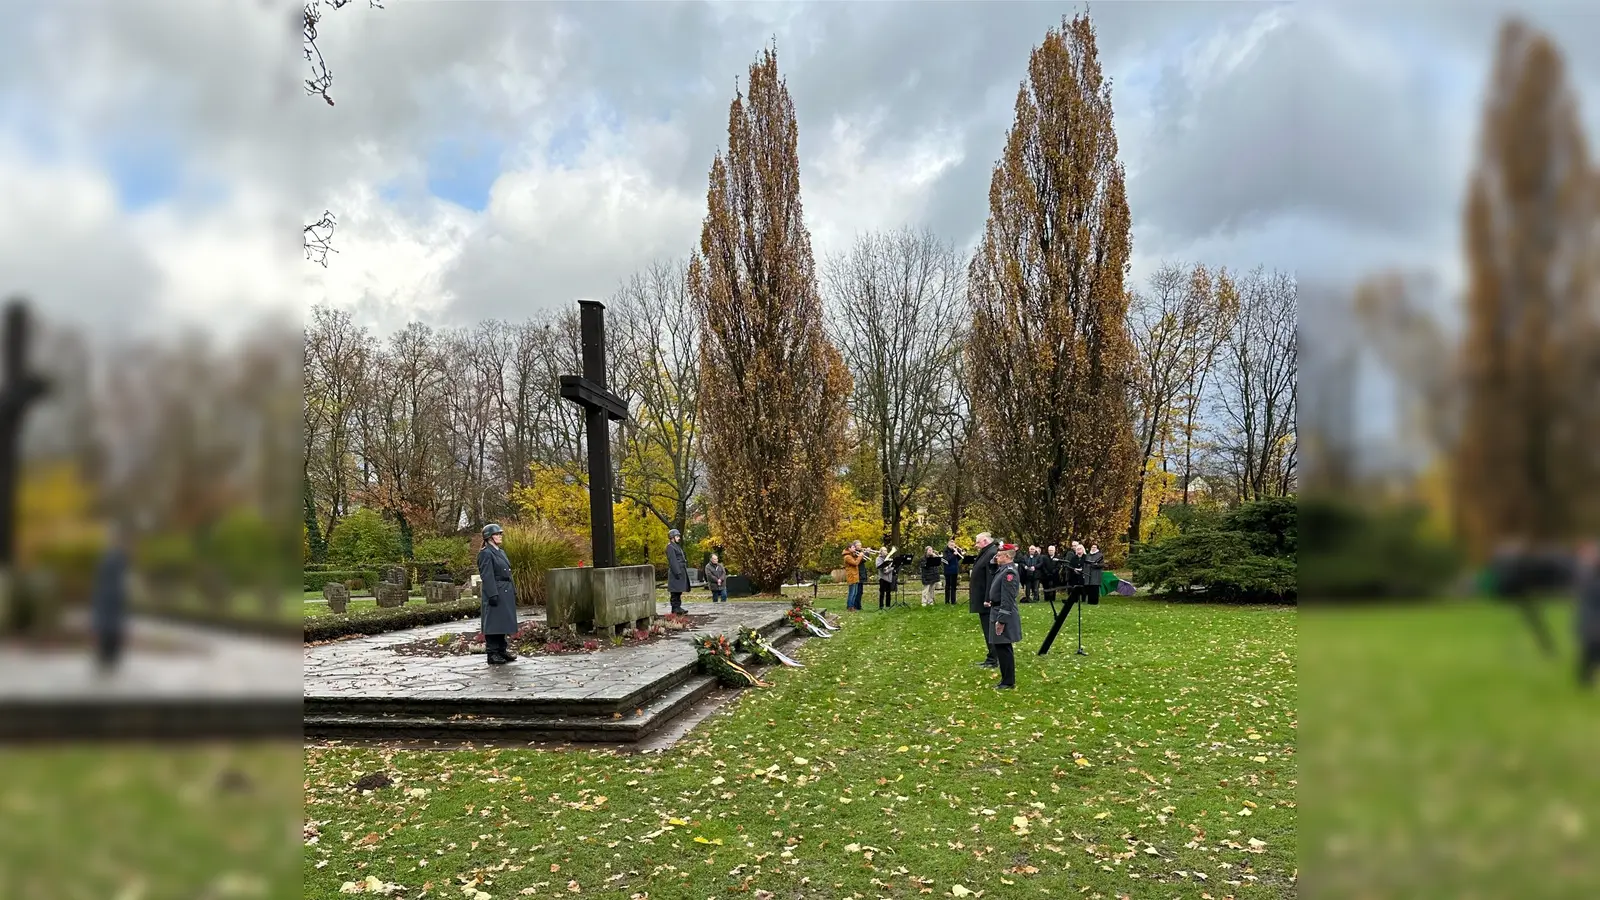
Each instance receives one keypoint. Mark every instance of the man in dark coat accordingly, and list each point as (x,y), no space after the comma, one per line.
(497,597)
(1588,585)
(978,591)
(677,570)
(1094,570)
(1076,565)
(1005,618)
(952,569)
(1028,566)
(109,607)
(1050,574)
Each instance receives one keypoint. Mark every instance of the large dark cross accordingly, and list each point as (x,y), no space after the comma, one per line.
(602,407)
(19,389)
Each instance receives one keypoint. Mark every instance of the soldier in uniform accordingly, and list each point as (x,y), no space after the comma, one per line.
(978,591)
(1005,618)
(677,570)
(497,596)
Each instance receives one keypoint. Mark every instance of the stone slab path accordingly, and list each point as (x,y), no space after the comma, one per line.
(367,668)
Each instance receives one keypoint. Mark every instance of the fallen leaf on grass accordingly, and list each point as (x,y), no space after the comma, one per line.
(960,891)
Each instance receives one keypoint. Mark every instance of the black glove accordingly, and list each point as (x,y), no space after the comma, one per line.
(494,599)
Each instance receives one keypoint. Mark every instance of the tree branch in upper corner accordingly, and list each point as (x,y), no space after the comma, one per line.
(317,238)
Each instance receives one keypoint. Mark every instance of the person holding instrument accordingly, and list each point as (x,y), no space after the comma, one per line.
(953,558)
(886,578)
(930,572)
(855,574)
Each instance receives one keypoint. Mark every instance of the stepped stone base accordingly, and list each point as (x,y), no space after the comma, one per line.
(362,690)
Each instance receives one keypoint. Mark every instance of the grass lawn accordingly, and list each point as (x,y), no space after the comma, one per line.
(1447,757)
(109,822)
(1163,765)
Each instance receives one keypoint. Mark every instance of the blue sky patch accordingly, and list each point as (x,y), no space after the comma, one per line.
(146,170)
(462,169)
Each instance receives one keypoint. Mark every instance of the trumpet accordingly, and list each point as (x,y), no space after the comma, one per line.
(876,553)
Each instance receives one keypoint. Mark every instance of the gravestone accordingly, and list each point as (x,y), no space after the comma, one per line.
(604,595)
(441,592)
(396,575)
(739,586)
(337,595)
(390,595)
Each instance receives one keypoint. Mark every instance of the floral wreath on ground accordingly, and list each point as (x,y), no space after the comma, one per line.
(751,641)
(807,618)
(715,653)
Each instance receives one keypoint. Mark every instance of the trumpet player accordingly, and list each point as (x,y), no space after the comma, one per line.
(953,557)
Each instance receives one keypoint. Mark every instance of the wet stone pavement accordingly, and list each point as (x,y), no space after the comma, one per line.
(368,667)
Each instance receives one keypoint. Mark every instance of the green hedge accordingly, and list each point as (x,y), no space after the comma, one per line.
(376,620)
(314,580)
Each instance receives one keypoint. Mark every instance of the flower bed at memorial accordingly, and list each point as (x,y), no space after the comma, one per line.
(537,639)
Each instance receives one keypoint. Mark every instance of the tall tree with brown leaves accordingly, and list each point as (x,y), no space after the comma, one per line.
(773,389)
(1050,354)
(1523,464)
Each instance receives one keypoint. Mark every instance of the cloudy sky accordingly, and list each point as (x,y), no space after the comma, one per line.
(494,159)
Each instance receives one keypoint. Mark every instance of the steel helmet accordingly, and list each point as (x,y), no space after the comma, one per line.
(491,529)
(674,533)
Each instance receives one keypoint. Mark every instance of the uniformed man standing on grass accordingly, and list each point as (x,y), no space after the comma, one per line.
(497,597)
(677,570)
(1005,617)
(978,590)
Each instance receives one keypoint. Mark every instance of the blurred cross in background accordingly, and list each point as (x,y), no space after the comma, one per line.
(20,388)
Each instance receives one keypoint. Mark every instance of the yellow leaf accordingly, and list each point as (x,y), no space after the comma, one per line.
(718,780)
(676,822)
(903,749)
(852,848)
(959,891)
(1083,762)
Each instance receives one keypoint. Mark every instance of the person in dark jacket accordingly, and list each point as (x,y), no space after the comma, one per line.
(978,591)
(717,579)
(1005,618)
(1094,571)
(1588,585)
(931,572)
(110,604)
(1028,567)
(1076,564)
(953,557)
(677,570)
(1050,574)
(497,597)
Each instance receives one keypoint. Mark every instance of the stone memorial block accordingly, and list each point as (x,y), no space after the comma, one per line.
(390,595)
(594,599)
(441,592)
(337,595)
(739,586)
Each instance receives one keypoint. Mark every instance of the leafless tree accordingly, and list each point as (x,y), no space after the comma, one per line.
(658,356)
(893,300)
(1258,387)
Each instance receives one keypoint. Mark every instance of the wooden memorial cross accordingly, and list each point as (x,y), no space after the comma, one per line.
(602,407)
(19,389)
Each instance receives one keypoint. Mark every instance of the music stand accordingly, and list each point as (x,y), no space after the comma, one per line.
(895,599)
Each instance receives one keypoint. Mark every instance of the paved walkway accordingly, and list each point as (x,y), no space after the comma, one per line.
(367,668)
(201,664)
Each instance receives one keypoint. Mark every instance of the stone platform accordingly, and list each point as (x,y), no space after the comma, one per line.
(173,682)
(361,689)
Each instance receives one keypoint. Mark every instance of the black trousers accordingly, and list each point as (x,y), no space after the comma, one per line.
(677,601)
(494,643)
(1030,588)
(983,621)
(1007,657)
(950,589)
(884,590)
(1589,663)
(108,648)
